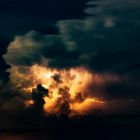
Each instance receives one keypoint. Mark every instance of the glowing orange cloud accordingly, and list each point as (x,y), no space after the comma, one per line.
(68,88)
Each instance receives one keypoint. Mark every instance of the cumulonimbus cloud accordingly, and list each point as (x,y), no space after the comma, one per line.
(105,42)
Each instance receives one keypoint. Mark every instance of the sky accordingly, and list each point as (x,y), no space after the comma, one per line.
(100,35)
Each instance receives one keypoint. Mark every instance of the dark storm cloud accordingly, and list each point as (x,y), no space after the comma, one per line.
(110,31)
(105,42)
(109,39)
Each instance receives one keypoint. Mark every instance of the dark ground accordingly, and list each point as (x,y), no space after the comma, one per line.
(105,127)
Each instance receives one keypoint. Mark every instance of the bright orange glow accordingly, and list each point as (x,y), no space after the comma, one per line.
(29,103)
(87,105)
(68,89)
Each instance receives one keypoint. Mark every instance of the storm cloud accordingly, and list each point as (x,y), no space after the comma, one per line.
(105,42)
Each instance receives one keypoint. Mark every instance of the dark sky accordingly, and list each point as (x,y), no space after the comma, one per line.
(20,16)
